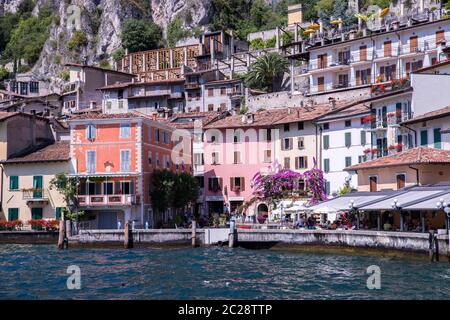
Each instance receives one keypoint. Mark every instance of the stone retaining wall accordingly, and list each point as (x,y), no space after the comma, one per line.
(182,236)
(406,241)
(29,237)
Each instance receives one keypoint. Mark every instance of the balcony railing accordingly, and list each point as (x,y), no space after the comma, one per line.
(37,195)
(109,200)
(72,86)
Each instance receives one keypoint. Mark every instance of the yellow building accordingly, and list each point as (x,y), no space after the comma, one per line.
(26,192)
(417,166)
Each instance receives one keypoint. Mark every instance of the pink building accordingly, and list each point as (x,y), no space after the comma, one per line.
(236,148)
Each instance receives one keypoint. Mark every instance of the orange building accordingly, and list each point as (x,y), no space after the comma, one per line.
(114,156)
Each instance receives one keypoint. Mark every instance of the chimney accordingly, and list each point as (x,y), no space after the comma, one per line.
(332,103)
(244,119)
(250,118)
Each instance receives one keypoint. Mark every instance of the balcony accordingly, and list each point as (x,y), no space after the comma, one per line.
(35,195)
(108,200)
(316,67)
(386,87)
(176,95)
(191,85)
(72,86)
(386,55)
(153,93)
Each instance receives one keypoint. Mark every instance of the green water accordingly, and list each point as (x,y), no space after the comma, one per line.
(39,272)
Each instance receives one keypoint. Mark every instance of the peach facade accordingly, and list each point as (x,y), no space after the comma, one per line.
(387,177)
(115,157)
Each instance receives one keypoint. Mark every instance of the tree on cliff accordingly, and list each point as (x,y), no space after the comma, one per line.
(140,35)
(266,72)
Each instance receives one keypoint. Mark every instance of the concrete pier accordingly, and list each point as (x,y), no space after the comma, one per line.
(403,241)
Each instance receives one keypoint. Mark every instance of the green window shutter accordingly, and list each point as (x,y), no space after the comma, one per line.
(326,165)
(363,138)
(326,142)
(437,138)
(13,214)
(36,213)
(58,212)
(327,187)
(348,139)
(14,183)
(423,137)
(348,161)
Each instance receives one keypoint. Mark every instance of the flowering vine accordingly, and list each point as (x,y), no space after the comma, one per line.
(284,183)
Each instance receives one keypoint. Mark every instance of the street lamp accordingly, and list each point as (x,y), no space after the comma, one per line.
(442,205)
(351,204)
(395,205)
(353,209)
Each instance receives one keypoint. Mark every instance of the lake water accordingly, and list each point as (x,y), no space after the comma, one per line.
(39,272)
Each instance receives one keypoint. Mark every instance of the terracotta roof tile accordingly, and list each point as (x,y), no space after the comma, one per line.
(419,155)
(58,151)
(278,116)
(99,116)
(351,111)
(430,115)
(186,120)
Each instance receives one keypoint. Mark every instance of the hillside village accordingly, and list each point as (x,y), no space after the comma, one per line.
(348,117)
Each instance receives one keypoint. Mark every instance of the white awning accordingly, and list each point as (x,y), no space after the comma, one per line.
(401,198)
(429,204)
(343,203)
(104,175)
(290,206)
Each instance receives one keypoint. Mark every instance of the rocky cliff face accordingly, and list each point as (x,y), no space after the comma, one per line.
(101,22)
(9,6)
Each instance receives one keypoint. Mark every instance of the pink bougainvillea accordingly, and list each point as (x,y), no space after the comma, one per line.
(284,183)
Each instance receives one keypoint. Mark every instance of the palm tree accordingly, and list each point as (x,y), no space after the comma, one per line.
(266,72)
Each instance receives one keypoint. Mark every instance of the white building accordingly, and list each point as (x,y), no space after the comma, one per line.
(344,137)
(360,58)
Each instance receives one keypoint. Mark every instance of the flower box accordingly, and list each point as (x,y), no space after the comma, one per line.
(368,119)
(41,224)
(11,225)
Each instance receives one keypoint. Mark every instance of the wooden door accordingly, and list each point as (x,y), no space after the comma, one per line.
(358,77)
(440,37)
(388,49)
(363,53)
(400,181)
(369,76)
(413,44)
(323,61)
(373,184)
(321,84)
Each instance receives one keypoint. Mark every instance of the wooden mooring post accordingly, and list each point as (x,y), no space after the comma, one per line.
(433,250)
(128,236)
(194,234)
(63,242)
(232,236)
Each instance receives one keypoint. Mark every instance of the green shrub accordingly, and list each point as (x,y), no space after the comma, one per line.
(118,54)
(105,64)
(176,32)
(65,75)
(78,40)
(140,35)
(257,44)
